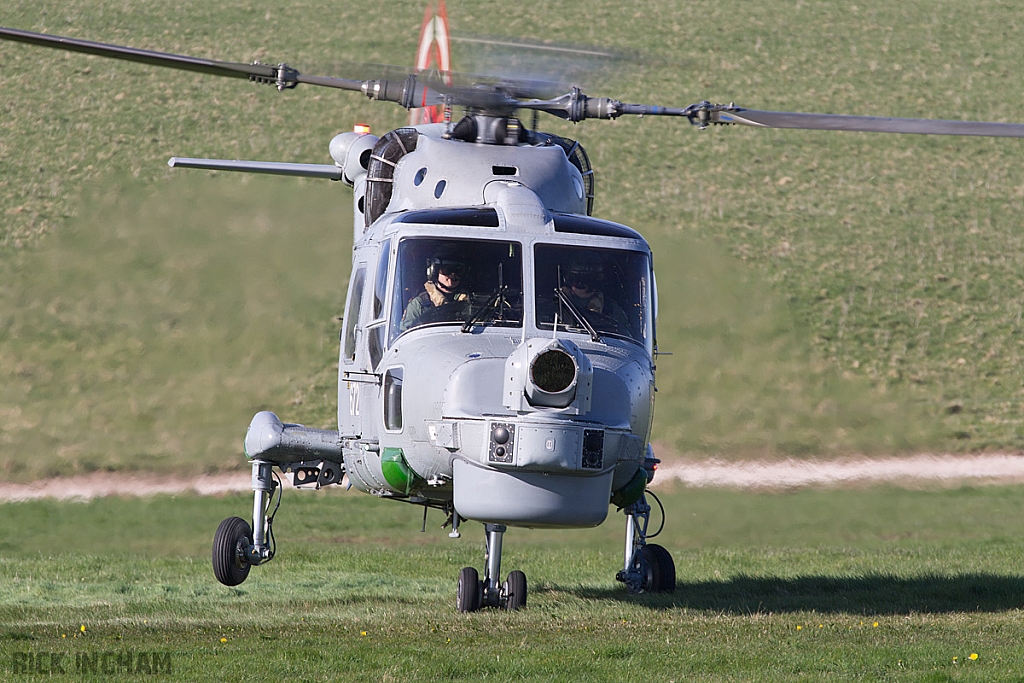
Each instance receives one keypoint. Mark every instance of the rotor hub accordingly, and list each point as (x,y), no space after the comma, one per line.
(489,129)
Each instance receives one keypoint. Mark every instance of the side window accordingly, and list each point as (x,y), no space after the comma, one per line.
(380,285)
(377,327)
(393,399)
(355,298)
(375,343)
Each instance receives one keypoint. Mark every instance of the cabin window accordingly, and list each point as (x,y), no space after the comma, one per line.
(380,286)
(355,298)
(393,399)
(375,343)
(471,283)
(608,288)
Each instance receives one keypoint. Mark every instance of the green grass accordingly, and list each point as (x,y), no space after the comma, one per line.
(771,587)
(146,338)
(822,294)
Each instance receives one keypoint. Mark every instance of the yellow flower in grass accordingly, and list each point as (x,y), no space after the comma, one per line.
(974,656)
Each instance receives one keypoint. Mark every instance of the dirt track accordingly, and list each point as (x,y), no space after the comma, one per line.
(914,471)
(909,471)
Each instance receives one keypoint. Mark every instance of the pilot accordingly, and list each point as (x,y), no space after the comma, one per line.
(582,284)
(444,296)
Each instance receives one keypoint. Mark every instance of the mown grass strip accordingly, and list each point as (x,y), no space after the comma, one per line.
(874,584)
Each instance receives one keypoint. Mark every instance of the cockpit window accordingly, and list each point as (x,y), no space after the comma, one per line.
(473,283)
(606,290)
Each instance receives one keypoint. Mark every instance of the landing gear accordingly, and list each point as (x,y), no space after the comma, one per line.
(515,590)
(230,551)
(474,593)
(470,590)
(236,546)
(647,568)
(659,569)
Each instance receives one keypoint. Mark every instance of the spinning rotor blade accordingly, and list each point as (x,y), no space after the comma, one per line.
(868,124)
(504,96)
(263,73)
(575,106)
(528,69)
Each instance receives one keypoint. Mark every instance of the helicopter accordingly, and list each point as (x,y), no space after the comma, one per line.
(498,344)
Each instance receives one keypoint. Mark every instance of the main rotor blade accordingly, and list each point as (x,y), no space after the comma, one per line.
(575,106)
(867,124)
(505,97)
(281,75)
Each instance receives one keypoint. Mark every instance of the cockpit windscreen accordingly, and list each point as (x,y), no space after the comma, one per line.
(474,283)
(592,290)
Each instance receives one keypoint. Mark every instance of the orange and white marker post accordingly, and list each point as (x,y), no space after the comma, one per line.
(434,53)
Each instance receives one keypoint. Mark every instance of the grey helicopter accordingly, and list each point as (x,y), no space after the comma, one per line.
(498,343)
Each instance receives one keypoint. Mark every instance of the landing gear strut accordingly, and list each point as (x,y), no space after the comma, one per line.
(474,593)
(647,567)
(236,546)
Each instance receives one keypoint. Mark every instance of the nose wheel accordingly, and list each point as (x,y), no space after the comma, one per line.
(473,592)
(648,567)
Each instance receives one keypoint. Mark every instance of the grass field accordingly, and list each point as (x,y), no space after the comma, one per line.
(822,294)
(872,584)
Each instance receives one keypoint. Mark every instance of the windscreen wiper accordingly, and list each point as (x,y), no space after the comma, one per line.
(594,336)
(496,302)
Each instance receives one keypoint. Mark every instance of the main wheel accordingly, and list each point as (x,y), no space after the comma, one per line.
(232,539)
(467,597)
(661,569)
(515,591)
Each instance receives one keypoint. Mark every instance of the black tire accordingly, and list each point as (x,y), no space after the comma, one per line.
(230,542)
(515,591)
(661,569)
(467,596)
